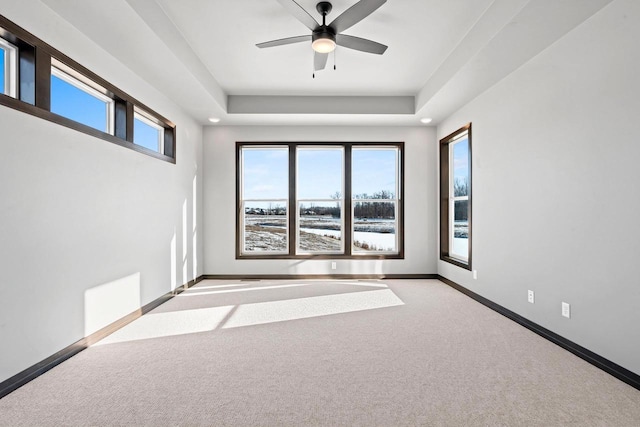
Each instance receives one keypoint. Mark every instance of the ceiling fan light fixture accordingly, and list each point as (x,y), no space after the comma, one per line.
(323,45)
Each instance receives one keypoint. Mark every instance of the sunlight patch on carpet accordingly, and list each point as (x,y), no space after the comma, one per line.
(228,291)
(157,325)
(303,308)
(182,322)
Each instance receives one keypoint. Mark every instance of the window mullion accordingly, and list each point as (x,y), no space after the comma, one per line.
(293,202)
(348,203)
(43,79)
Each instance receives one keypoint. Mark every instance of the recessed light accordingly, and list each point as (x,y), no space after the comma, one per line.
(214,119)
(426,120)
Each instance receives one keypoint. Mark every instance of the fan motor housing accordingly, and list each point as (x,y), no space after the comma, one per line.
(324,32)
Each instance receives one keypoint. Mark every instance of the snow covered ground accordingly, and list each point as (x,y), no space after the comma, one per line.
(318,234)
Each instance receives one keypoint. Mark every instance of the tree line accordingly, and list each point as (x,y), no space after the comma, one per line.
(365,206)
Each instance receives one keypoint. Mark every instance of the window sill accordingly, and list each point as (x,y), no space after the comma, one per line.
(457,262)
(322,257)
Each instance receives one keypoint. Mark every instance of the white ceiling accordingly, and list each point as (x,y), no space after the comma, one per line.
(442,53)
(419,35)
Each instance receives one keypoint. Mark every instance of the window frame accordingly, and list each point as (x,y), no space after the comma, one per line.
(395,201)
(148,120)
(77,80)
(33,93)
(10,68)
(448,198)
(299,201)
(241,202)
(347,207)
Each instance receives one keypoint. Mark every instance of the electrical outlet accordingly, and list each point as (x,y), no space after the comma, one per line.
(566,310)
(531,296)
(475,274)
(334,265)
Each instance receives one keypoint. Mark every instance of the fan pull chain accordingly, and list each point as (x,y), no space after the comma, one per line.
(334,58)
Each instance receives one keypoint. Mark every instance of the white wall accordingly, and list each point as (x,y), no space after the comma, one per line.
(556,199)
(220,199)
(91,231)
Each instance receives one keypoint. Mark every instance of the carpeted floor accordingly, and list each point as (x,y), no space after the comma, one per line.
(272,353)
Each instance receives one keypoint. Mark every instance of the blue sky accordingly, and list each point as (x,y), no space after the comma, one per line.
(145,135)
(461,159)
(73,103)
(373,170)
(266,173)
(319,172)
(1,70)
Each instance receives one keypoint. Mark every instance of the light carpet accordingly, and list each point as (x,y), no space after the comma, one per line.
(298,353)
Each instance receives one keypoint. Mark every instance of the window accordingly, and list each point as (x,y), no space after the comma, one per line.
(334,200)
(8,68)
(265,200)
(320,201)
(43,82)
(374,192)
(147,133)
(79,99)
(455,200)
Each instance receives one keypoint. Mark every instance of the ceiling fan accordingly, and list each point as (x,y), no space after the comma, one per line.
(323,37)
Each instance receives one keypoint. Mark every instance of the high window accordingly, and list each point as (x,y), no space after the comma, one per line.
(79,99)
(43,82)
(147,132)
(334,200)
(8,68)
(455,200)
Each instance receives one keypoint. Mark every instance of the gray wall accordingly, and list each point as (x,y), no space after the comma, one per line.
(556,195)
(90,231)
(220,199)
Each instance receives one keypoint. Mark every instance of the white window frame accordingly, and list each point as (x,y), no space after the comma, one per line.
(355,251)
(10,68)
(299,201)
(453,198)
(147,120)
(244,201)
(72,77)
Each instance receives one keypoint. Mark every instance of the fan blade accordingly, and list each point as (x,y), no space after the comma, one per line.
(319,61)
(302,15)
(357,43)
(288,40)
(355,14)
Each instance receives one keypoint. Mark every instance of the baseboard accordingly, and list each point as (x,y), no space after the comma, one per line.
(315,276)
(52,361)
(596,360)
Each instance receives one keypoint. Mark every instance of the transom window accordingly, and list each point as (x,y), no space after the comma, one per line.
(147,133)
(345,199)
(455,188)
(79,99)
(37,79)
(8,68)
